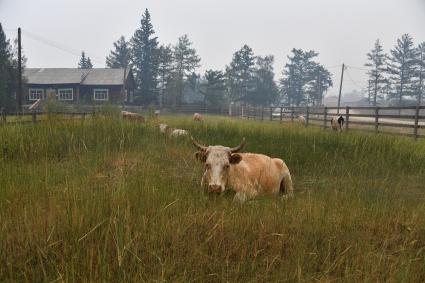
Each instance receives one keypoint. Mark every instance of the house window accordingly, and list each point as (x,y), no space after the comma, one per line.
(36,93)
(65,94)
(101,94)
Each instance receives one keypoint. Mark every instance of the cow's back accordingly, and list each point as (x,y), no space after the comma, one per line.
(258,172)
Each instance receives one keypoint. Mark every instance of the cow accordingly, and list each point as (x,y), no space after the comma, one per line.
(172,132)
(132,116)
(198,117)
(248,174)
(337,124)
(302,120)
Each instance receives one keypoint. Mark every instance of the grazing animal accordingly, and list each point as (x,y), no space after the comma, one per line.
(132,116)
(302,120)
(337,124)
(172,132)
(248,174)
(163,128)
(178,133)
(198,117)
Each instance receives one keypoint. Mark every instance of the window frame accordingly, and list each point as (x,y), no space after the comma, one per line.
(99,90)
(66,89)
(30,98)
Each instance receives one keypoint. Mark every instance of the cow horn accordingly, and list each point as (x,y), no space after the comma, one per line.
(198,145)
(239,147)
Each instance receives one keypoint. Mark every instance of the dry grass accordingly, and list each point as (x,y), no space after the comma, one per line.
(108,200)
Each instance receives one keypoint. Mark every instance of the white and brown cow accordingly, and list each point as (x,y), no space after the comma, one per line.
(337,124)
(132,116)
(248,174)
(198,117)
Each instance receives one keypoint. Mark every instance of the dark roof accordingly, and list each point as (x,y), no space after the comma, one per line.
(98,76)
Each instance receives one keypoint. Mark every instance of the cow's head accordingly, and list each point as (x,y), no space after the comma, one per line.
(217,160)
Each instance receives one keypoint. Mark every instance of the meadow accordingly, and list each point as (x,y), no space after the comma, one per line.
(106,200)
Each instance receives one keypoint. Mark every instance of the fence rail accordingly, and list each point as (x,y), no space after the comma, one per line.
(406,121)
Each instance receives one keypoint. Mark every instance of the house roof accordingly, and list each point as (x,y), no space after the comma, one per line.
(97,76)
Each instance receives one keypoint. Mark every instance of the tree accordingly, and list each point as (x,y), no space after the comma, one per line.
(377,62)
(89,64)
(120,56)
(265,91)
(239,74)
(214,88)
(144,51)
(8,72)
(321,81)
(401,68)
(420,73)
(186,61)
(165,71)
(84,63)
(297,76)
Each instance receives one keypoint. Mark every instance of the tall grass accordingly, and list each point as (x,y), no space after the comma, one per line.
(109,200)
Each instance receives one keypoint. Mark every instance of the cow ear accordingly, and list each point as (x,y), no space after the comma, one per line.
(235,158)
(201,156)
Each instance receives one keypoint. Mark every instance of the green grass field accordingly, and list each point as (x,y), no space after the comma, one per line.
(104,200)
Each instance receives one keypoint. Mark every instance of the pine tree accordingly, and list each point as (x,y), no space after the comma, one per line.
(321,81)
(8,73)
(265,91)
(377,62)
(401,68)
(120,56)
(82,64)
(420,73)
(214,88)
(165,71)
(297,76)
(89,64)
(239,74)
(144,57)
(186,61)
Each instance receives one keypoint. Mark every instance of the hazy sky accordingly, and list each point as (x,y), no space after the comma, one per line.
(340,30)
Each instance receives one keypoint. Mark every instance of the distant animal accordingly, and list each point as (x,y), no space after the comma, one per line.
(132,116)
(248,174)
(302,120)
(156,113)
(178,133)
(337,124)
(198,117)
(172,132)
(163,128)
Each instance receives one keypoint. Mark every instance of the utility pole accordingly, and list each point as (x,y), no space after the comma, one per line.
(340,87)
(19,94)
(319,95)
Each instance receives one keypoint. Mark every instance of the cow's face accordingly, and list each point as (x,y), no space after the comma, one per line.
(218,161)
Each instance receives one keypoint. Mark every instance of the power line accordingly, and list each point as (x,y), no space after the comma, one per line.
(358,68)
(59,46)
(353,81)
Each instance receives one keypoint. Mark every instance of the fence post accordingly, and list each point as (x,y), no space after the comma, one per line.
(281,113)
(376,118)
(347,117)
(3,115)
(325,117)
(292,114)
(262,113)
(271,113)
(34,117)
(415,129)
(307,116)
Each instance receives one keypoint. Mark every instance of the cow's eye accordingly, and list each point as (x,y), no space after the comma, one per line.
(207,165)
(226,166)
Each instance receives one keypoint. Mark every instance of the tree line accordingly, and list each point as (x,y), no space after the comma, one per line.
(397,75)
(166,74)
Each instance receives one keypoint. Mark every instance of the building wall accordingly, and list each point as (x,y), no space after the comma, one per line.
(82,94)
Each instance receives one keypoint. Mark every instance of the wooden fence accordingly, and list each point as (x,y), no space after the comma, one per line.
(408,121)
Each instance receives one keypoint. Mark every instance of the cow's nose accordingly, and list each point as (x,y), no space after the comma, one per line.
(214,189)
